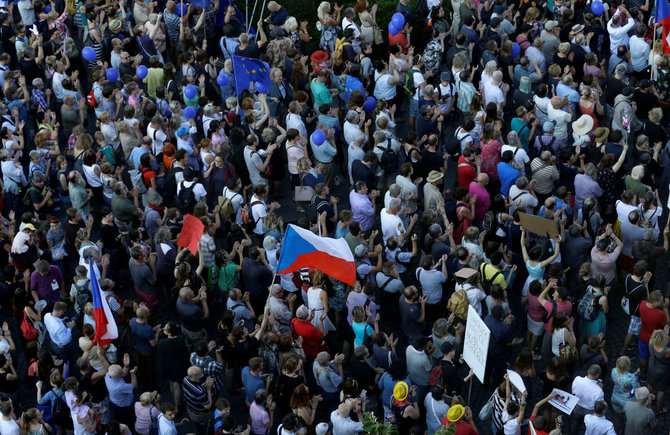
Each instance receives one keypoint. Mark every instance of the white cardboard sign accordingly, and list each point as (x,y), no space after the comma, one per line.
(476,344)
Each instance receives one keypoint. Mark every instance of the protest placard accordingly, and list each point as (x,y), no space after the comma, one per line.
(564,401)
(191,232)
(476,344)
(538,225)
(516,380)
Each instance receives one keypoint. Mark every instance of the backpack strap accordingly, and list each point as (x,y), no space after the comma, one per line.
(383,286)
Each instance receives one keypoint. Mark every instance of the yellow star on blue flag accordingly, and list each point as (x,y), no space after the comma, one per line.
(247,71)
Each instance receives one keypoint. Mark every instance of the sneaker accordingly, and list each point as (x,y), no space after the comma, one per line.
(517,340)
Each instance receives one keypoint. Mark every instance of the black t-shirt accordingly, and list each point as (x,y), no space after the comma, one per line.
(655,132)
(109,235)
(8,46)
(190,315)
(636,293)
(452,380)
(645,102)
(431,161)
(410,313)
(363,373)
(250,50)
(614,88)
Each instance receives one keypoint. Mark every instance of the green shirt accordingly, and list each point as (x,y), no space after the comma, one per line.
(321,93)
(153,80)
(228,277)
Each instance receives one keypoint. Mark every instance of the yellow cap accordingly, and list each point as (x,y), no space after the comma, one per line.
(400,391)
(455,413)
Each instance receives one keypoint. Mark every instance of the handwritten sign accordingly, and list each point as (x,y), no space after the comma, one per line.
(476,344)
(191,232)
(516,380)
(564,401)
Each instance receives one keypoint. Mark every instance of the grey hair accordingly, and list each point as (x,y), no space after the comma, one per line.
(302,313)
(642,394)
(33,154)
(512,138)
(360,137)
(522,182)
(351,116)
(38,176)
(161,235)
(395,204)
(394,189)
(291,24)
(154,197)
(269,243)
(620,69)
(361,352)
(379,136)
(590,169)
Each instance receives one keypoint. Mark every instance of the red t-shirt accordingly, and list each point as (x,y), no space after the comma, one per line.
(561,307)
(147,176)
(462,427)
(311,337)
(400,39)
(467,172)
(652,319)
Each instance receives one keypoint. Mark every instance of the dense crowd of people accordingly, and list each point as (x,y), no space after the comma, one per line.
(509,157)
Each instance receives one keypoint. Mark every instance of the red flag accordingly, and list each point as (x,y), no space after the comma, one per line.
(191,232)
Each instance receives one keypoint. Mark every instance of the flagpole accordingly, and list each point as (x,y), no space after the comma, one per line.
(651,75)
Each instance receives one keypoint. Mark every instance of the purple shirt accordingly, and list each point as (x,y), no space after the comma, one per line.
(364,210)
(259,418)
(48,287)
(356,299)
(483,200)
(585,186)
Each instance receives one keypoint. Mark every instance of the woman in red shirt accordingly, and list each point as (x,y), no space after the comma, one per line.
(654,315)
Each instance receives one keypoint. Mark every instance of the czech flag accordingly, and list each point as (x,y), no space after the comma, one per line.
(301,248)
(662,16)
(105,326)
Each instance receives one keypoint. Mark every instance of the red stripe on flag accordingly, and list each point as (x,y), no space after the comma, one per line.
(338,268)
(100,327)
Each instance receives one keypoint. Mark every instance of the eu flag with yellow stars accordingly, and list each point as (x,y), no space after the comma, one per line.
(247,70)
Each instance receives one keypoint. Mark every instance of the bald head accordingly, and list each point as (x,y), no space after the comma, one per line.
(194,373)
(344,409)
(556,102)
(545,156)
(115,371)
(482,179)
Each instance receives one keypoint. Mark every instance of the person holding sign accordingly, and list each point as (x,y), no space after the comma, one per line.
(513,413)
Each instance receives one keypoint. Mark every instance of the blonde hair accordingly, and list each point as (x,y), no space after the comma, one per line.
(656,114)
(659,338)
(303,165)
(145,398)
(88,309)
(321,10)
(586,91)
(623,364)
(358,314)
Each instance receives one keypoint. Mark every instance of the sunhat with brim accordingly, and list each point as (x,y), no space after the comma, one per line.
(583,125)
(433,176)
(455,413)
(319,56)
(400,391)
(601,134)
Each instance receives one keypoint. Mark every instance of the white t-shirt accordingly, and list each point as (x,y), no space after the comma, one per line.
(199,191)
(473,294)
(418,80)
(562,119)
(8,427)
(511,427)
(253,160)
(237,200)
(259,211)
(520,155)
(623,210)
(158,138)
(391,225)
(493,94)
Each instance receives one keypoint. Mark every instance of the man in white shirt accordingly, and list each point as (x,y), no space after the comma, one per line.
(392,224)
(258,208)
(27,11)
(588,390)
(155,132)
(8,426)
(198,190)
(348,23)
(520,155)
(597,423)
(60,332)
(294,120)
(495,91)
(561,118)
(342,422)
(232,192)
(639,51)
(522,196)
(257,161)
(619,33)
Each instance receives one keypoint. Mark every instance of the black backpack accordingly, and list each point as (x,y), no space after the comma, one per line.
(452,144)
(389,161)
(60,412)
(170,186)
(487,281)
(186,198)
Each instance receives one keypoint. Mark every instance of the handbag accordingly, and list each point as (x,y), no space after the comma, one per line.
(304,193)
(28,328)
(567,352)
(378,35)
(487,410)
